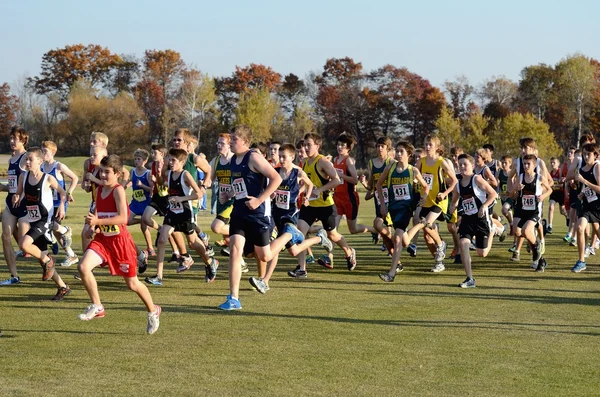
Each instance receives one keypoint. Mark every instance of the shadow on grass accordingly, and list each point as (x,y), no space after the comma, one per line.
(55,331)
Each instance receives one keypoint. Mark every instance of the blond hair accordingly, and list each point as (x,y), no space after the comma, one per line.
(50,146)
(100,137)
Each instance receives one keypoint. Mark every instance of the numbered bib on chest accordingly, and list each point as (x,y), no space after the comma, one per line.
(529,202)
(386,196)
(12,183)
(239,189)
(224,188)
(110,230)
(282,199)
(590,195)
(429,180)
(469,206)
(33,213)
(557,185)
(401,192)
(175,207)
(139,195)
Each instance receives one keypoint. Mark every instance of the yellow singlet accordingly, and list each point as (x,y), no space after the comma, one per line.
(325,199)
(433,175)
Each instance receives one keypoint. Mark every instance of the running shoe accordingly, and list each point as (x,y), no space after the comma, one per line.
(438,267)
(297,273)
(468,283)
(325,242)
(61,293)
(310,259)
(153,320)
(579,266)
(412,250)
(259,284)
(325,261)
(11,281)
(387,278)
(154,281)
(69,261)
(351,260)
(440,252)
(91,312)
(297,236)
(231,304)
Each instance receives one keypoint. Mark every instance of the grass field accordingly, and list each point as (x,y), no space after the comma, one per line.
(519,333)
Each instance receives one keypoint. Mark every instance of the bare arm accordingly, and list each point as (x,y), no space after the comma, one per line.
(72,176)
(307,184)
(351,167)
(449,170)
(334,180)
(53,183)
(490,178)
(379,190)
(203,165)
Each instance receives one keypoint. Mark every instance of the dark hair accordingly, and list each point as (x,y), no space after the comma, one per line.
(112,161)
(300,144)
(260,146)
(384,140)
(36,151)
(527,142)
(468,157)
(532,157)
(489,147)
(410,149)
(586,138)
(347,139)
(159,147)
(20,133)
(274,143)
(592,148)
(315,137)
(289,148)
(456,149)
(506,157)
(179,154)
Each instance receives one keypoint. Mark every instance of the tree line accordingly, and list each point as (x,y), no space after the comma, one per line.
(137,101)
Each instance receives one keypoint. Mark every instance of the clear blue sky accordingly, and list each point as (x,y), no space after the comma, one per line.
(437,39)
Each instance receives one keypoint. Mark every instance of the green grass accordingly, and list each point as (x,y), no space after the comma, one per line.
(336,333)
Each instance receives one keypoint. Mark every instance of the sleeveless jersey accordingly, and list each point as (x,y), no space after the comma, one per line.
(433,175)
(161,190)
(520,169)
(502,184)
(244,183)
(528,196)
(38,200)
(590,200)
(556,175)
(493,166)
(375,174)
(345,189)
(93,186)
(325,199)
(399,187)
(106,207)
(14,171)
(223,176)
(190,166)
(178,188)
(59,178)
(472,198)
(286,195)
(141,198)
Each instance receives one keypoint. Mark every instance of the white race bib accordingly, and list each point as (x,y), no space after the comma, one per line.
(590,195)
(175,207)
(401,192)
(12,183)
(33,213)
(224,188)
(282,199)
(528,201)
(385,196)
(429,179)
(469,206)
(239,188)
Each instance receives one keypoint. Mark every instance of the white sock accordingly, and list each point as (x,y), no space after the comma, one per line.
(70,252)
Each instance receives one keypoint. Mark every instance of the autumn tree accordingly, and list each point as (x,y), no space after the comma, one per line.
(9,104)
(459,93)
(119,117)
(62,67)
(535,88)
(576,78)
(475,132)
(157,89)
(196,101)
